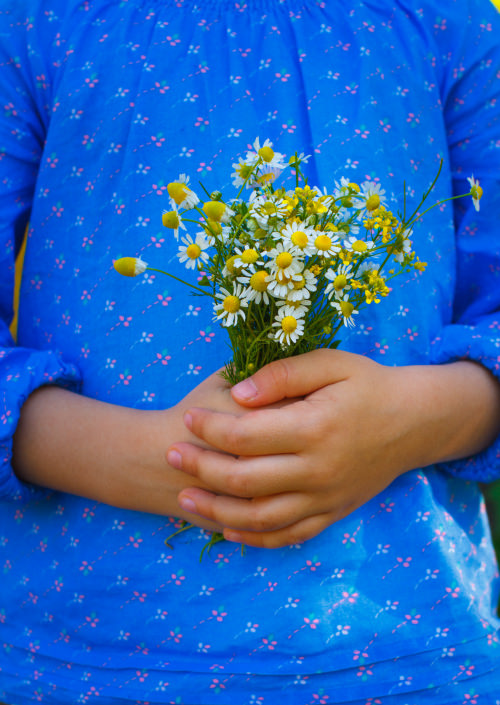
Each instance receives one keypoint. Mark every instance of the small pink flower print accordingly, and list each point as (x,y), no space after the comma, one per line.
(135,541)
(158,140)
(219,614)
(201,122)
(311,622)
(269,642)
(92,81)
(207,336)
(92,620)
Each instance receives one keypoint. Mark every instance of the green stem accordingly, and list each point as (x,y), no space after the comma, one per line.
(426,194)
(185,526)
(202,291)
(416,216)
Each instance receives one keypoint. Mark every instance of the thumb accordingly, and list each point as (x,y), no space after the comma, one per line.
(293,377)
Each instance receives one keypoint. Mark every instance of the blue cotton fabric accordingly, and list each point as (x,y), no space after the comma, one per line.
(105,102)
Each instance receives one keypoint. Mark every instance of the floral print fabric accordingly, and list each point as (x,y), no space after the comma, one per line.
(105,102)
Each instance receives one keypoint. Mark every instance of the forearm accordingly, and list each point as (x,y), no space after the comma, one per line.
(105,452)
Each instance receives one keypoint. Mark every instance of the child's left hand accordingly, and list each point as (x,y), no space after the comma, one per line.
(285,474)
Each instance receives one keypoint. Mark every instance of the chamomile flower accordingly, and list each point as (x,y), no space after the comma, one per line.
(256,282)
(180,193)
(346,309)
(267,154)
(289,326)
(267,209)
(193,251)
(326,244)
(339,280)
(246,257)
(230,309)
(297,159)
(402,248)
(217,211)
(130,266)
(242,174)
(371,196)
(301,236)
(170,219)
(285,260)
(360,247)
(476,191)
(341,188)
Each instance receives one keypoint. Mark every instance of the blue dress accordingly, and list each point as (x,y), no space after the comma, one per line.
(105,102)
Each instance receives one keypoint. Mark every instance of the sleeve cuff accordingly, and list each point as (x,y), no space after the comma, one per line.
(461,342)
(22,372)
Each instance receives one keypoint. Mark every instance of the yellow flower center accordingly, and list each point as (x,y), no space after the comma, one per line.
(346,308)
(193,251)
(289,324)
(178,191)
(300,239)
(372,202)
(340,282)
(323,242)
(249,256)
(266,154)
(170,219)
(231,304)
(214,210)
(258,280)
(354,186)
(359,246)
(284,260)
(476,192)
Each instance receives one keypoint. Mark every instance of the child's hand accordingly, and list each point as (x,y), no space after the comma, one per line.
(283,475)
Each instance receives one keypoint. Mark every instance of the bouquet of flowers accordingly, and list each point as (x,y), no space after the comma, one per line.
(286,269)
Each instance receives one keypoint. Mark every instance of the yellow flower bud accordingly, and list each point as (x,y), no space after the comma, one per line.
(178,191)
(372,202)
(214,210)
(266,154)
(170,219)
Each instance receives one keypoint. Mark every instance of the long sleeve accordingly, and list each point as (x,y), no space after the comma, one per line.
(471,101)
(22,127)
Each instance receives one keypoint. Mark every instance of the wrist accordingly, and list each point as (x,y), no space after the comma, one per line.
(454,410)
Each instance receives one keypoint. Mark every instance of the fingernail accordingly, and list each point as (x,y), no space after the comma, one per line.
(245,390)
(187,504)
(188,420)
(175,459)
(232,536)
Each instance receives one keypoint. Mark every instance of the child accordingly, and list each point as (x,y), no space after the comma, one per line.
(383,584)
